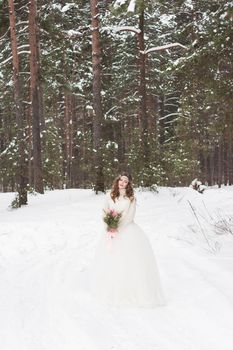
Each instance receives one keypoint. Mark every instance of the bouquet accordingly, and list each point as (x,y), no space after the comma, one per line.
(112,218)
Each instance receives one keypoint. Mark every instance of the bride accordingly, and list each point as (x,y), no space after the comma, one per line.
(125,271)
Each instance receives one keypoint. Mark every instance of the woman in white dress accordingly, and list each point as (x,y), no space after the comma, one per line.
(125,271)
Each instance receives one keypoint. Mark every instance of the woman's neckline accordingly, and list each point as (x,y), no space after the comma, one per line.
(122,192)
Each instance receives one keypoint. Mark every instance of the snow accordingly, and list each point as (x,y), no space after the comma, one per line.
(166,19)
(46,250)
(127,29)
(131,7)
(67,7)
(158,48)
(131,4)
(189,4)
(119,3)
(11,145)
(73,32)
(110,144)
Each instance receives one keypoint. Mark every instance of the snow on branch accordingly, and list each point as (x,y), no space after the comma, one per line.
(67,7)
(164,47)
(2,37)
(127,29)
(22,22)
(22,30)
(94,28)
(172,121)
(11,144)
(11,57)
(73,33)
(119,3)
(25,46)
(168,115)
(132,5)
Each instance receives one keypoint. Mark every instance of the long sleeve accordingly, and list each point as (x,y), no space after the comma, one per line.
(129,213)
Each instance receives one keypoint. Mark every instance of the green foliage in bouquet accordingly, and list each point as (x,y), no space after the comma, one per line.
(112,218)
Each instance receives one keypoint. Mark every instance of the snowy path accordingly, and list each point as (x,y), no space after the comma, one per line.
(47,248)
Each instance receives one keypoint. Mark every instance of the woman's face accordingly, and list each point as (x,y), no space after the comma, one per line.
(123,182)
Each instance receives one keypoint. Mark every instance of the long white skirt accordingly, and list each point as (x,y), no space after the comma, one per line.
(125,272)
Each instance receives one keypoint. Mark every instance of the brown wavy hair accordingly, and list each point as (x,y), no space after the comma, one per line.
(115,193)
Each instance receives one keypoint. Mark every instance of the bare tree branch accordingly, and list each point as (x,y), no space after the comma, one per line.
(164,47)
(128,29)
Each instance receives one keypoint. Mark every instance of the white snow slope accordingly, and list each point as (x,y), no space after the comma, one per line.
(46,250)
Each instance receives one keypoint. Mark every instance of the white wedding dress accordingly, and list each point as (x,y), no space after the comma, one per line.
(125,271)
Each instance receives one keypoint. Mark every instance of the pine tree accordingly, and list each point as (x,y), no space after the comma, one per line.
(36,97)
(21,172)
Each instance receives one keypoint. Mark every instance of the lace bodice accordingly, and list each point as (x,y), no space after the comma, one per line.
(123,205)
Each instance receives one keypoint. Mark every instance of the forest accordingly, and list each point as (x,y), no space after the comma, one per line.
(91,88)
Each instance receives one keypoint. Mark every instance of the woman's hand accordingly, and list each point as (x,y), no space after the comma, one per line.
(112,232)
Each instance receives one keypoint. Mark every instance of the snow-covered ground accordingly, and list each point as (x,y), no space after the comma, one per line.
(46,250)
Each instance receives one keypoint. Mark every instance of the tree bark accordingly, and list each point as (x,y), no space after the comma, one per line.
(68,111)
(220,165)
(161,119)
(230,157)
(143,118)
(22,172)
(35,97)
(97,103)
(224,162)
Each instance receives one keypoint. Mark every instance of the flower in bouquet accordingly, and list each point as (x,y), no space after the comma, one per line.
(112,218)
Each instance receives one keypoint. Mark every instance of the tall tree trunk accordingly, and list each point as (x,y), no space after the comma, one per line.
(212,168)
(143,118)
(97,104)
(220,165)
(30,146)
(230,157)
(35,97)
(224,162)
(22,175)
(161,119)
(68,136)
(75,170)
(122,141)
